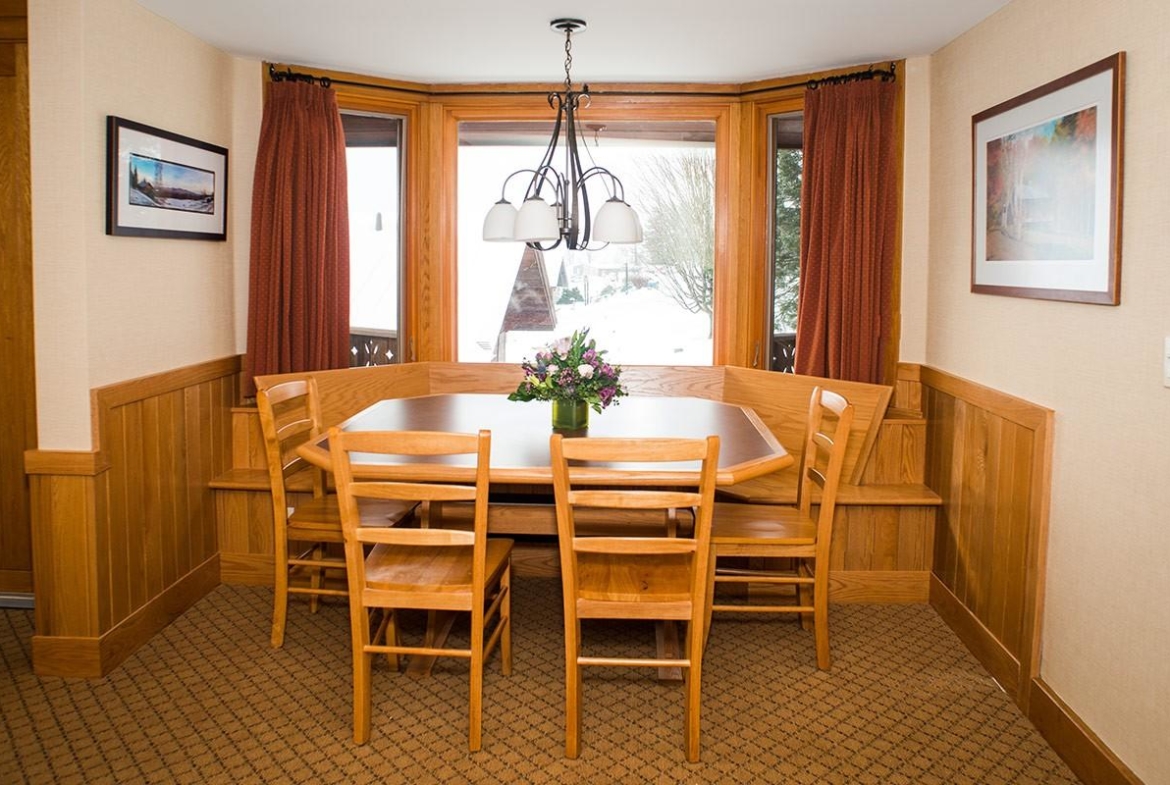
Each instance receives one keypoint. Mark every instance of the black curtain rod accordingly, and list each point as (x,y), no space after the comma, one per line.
(288,75)
(856,76)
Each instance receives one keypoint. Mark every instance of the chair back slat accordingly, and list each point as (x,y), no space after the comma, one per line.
(640,546)
(830,417)
(413,491)
(422,537)
(634,499)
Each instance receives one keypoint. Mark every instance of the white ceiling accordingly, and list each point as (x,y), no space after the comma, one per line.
(445,41)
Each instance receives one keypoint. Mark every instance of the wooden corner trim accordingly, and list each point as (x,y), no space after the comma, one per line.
(1084,752)
(122,393)
(1022,412)
(65,462)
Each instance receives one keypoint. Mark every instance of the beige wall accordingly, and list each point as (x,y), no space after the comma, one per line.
(916,209)
(115,308)
(1107,628)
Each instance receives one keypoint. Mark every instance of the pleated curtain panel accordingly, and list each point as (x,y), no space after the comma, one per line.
(298,293)
(849,218)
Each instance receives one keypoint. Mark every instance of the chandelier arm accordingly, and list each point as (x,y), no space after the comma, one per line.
(617,189)
(546,161)
(504,189)
(578,220)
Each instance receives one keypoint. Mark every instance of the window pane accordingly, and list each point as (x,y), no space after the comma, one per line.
(787,140)
(372,161)
(645,303)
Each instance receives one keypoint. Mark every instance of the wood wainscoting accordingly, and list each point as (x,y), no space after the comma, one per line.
(124,537)
(989,457)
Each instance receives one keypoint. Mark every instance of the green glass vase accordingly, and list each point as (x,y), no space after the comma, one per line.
(570,415)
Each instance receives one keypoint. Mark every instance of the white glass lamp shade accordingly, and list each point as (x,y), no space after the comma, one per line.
(617,222)
(500,223)
(537,222)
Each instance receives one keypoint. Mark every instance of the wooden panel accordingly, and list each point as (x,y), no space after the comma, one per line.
(347,391)
(988,456)
(247,439)
(65,555)
(781,400)
(899,453)
(882,586)
(16,581)
(122,545)
(18,429)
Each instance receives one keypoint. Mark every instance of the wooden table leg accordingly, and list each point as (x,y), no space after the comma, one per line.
(666,635)
(439,625)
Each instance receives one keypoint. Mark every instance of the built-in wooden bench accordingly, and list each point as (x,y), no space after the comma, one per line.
(780,488)
(883,538)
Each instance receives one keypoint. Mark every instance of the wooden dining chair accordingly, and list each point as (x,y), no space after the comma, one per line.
(289,416)
(432,568)
(626,577)
(790,532)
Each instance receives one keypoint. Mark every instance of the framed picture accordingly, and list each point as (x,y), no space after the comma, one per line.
(160,184)
(1047,202)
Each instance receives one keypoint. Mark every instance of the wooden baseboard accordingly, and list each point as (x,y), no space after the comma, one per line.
(1073,740)
(247,569)
(95,657)
(999,662)
(871,587)
(16,581)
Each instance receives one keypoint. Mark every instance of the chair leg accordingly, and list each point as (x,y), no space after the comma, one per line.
(316,578)
(572,690)
(694,682)
(506,615)
(280,597)
(710,598)
(475,712)
(391,638)
(821,614)
(359,620)
(805,593)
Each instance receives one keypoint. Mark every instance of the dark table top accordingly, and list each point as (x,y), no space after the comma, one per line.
(521,431)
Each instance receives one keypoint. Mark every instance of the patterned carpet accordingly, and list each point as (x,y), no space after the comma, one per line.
(208,700)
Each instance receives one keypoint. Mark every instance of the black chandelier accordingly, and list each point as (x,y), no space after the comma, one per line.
(544,226)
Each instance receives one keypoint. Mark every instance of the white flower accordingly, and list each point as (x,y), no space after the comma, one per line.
(585,370)
(553,369)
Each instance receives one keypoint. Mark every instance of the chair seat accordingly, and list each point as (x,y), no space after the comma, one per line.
(761,524)
(319,520)
(431,569)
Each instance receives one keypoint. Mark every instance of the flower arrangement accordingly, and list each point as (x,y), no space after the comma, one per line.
(571,369)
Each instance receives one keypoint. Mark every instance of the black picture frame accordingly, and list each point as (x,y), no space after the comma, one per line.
(162,184)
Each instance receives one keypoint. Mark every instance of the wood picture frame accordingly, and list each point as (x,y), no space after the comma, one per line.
(161,184)
(1046,172)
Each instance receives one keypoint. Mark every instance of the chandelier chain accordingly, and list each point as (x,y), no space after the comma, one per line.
(568,58)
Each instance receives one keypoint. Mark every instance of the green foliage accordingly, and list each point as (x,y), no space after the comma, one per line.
(786,263)
(570,296)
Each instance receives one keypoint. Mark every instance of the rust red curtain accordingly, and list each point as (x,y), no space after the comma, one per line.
(298,293)
(848,222)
